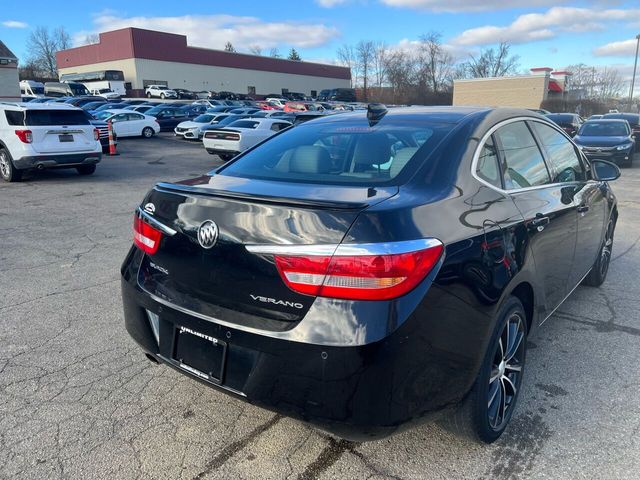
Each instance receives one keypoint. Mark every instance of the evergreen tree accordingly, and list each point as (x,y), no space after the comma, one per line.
(228,47)
(293,55)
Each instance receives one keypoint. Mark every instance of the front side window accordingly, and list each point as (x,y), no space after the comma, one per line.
(487,168)
(523,162)
(561,154)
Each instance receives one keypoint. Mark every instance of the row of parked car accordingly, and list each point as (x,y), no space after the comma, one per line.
(612,136)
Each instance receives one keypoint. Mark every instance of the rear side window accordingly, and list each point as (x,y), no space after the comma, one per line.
(561,154)
(523,162)
(14,117)
(487,168)
(341,153)
(55,117)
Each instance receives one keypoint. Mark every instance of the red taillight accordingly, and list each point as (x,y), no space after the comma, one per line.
(145,236)
(25,136)
(358,277)
(96,134)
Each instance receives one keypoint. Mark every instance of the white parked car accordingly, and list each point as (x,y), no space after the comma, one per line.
(160,91)
(43,136)
(240,135)
(105,93)
(193,129)
(127,123)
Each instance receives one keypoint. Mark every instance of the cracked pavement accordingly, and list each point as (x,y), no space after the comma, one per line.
(78,399)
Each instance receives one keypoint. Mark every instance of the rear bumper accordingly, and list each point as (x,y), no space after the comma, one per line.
(358,392)
(58,160)
(222,153)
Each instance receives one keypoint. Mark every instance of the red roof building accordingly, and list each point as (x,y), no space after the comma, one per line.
(149,57)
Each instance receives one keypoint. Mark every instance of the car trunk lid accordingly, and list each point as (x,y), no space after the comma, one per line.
(225,280)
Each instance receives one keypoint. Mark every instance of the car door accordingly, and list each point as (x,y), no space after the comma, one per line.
(121,125)
(548,211)
(570,169)
(136,123)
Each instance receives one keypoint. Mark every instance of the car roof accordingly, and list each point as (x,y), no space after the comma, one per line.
(120,110)
(39,106)
(443,114)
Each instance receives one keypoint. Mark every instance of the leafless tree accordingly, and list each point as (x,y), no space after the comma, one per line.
(365,52)
(255,50)
(274,52)
(437,64)
(493,62)
(91,39)
(379,63)
(228,47)
(42,46)
(347,58)
(611,83)
(594,83)
(400,73)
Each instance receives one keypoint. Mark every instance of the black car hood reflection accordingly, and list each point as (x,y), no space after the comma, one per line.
(588,141)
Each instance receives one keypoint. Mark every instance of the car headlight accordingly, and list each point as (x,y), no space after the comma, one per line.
(626,146)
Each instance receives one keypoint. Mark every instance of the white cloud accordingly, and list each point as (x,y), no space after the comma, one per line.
(541,26)
(469,5)
(624,48)
(14,24)
(213,31)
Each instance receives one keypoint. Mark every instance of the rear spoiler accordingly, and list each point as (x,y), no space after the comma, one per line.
(211,192)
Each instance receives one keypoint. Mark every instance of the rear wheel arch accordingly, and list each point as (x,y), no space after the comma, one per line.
(525,293)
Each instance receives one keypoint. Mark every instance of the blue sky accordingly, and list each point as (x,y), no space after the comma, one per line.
(552,33)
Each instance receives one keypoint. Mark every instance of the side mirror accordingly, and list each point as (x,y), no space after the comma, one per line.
(604,170)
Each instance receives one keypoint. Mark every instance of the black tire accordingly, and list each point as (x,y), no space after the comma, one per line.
(486,411)
(598,273)
(8,171)
(147,132)
(225,157)
(148,95)
(86,169)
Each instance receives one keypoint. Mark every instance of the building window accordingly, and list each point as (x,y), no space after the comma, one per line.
(285,91)
(314,93)
(251,90)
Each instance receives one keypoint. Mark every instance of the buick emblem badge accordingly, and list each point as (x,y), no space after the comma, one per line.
(208,234)
(150,208)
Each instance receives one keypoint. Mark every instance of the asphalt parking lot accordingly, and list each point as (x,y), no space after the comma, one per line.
(78,399)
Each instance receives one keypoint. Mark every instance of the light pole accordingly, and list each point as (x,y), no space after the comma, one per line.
(635,65)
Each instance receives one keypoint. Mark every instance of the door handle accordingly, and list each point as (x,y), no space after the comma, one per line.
(583,209)
(540,221)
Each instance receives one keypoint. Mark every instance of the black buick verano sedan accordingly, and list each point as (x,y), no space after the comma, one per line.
(363,271)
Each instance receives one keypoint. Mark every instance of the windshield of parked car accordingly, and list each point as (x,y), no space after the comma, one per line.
(604,129)
(243,124)
(205,118)
(341,152)
(103,115)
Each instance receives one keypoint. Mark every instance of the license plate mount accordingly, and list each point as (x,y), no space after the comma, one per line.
(201,355)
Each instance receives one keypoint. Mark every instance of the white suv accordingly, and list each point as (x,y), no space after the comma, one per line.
(43,136)
(160,91)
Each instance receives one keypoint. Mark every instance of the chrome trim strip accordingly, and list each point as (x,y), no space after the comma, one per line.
(563,300)
(481,142)
(155,223)
(346,249)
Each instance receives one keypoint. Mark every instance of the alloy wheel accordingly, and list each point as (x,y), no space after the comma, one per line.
(5,169)
(506,372)
(605,254)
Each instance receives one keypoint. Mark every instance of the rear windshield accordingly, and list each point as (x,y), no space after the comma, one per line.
(55,117)
(604,129)
(350,153)
(560,118)
(243,124)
